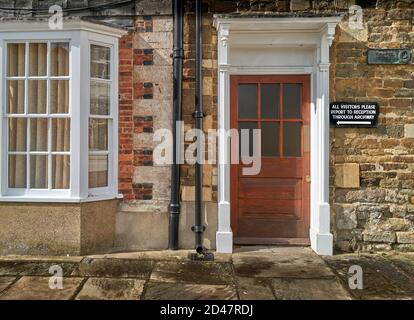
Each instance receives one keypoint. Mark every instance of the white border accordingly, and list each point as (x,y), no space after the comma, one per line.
(315,33)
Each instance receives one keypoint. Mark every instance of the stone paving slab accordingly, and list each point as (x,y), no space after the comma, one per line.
(193,272)
(166,255)
(181,291)
(254,289)
(55,259)
(5,282)
(37,288)
(404,262)
(261,273)
(114,268)
(8,268)
(296,262)
(381,278)
(309,289)
(111,289)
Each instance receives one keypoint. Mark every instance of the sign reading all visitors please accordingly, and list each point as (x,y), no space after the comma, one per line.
(354,114)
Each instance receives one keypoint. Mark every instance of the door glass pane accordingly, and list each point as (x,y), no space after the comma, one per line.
(98,134)
(100,97)
(60,172)
(98,171)
(292,101)
(246,139)
(270,139)
(38,172)
(37,96)
(247,101)
(100,62)
(17,171)
(59,62)
(38,134)
(61,135)
(15,96)
(292,139)
(37,59)
(16,59)
(17,134)
(59,96)
(269,99)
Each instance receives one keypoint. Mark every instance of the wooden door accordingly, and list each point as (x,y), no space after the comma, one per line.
(272,206)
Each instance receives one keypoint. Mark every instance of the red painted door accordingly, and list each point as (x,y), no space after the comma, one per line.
(272,206)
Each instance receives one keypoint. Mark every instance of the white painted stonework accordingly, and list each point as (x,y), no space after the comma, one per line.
(278,46)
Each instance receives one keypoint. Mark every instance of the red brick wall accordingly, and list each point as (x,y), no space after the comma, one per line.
(126,124)
(144,65)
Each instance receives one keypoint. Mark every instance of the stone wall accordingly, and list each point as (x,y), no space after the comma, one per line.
(374,209)
(57,228)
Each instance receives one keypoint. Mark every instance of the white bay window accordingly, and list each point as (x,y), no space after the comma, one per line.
(58,112)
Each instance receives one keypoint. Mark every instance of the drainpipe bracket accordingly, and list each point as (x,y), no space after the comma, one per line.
(174,208)
(198,229)
(178,53)
(198,115)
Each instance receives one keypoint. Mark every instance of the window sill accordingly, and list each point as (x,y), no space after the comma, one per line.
(59,200)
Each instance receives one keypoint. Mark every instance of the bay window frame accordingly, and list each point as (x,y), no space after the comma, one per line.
(79,35)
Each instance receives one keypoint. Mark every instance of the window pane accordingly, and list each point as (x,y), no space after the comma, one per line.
(98,171)
(269,98)
(16,59)
(38,134)
(98,134)
(61,135)
(245,144)
(37,96)
(100,62)
(17,171)
(37,59)
(100,98)
(15,96)
(17,134)
(60,172)
(292,139)
(38,172)
(270,139)
(59,96)
(248,101)
(292,101)
(59,62)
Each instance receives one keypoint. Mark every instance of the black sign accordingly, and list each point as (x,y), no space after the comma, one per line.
(390,56)
(354,114)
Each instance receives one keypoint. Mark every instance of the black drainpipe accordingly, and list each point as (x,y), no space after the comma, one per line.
(198,115)
(178,56)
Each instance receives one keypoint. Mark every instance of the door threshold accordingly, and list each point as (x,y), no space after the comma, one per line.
(267,241)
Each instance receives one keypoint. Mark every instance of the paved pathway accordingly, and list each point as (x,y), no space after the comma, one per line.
(264,273)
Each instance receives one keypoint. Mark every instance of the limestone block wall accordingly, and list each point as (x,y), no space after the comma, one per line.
(374,208)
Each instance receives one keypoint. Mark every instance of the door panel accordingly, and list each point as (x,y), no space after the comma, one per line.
(276,189)
(272,206)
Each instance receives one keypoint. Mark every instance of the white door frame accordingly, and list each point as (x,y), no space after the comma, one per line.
(315,33)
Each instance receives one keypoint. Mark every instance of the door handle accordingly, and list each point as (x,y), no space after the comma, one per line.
(308,179)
